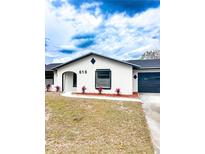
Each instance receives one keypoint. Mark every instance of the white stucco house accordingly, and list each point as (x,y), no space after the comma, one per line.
(93,71)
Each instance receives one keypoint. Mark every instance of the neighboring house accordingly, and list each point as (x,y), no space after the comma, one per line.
(93,71)
(49,76)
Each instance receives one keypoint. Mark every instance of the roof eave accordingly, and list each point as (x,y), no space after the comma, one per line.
(149,68)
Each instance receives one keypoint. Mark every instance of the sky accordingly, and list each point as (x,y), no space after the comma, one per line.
(121,29)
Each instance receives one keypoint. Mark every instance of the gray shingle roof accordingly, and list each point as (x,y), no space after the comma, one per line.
(149,63)
(143,64)
(49,67)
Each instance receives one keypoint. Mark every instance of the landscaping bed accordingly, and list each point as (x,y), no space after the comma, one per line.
(135,95)
(85,126)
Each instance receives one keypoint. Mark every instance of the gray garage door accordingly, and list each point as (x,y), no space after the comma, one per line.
(149,82)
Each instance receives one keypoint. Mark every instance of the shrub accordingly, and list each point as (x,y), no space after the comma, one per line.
(117,91)
(48,86)
(100,89)
(57,88)
(83,89)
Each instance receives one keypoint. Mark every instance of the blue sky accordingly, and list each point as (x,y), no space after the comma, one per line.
(121,29)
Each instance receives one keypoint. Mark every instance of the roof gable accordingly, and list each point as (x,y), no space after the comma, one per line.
(91,53)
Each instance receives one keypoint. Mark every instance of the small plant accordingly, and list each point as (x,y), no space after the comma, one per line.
(83,89)
(48,87)
(57,88)
(117,91)
(100,89)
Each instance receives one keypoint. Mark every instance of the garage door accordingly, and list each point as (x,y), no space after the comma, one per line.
(149,82)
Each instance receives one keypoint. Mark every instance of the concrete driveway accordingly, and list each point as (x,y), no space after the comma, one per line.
(151,105)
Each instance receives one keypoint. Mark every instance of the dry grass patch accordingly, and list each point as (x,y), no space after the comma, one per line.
(95,126)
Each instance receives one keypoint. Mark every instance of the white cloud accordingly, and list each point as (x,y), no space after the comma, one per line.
(119,36)
(125,37)
(62,59)
(86,6)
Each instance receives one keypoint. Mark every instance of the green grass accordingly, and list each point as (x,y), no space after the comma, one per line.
(95,126)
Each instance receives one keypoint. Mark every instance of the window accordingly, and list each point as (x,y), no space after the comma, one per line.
(49,75)
(74,80)
(103,79)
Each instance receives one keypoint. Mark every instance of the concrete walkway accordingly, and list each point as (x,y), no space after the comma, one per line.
(151,106)
(69,94)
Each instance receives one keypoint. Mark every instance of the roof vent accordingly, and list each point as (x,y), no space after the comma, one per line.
(92,61)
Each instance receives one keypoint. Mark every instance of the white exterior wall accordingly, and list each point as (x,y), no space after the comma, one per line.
(55,77)
(121,74)
(135,83)
(149,70)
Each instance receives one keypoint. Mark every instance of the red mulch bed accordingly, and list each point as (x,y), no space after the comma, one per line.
(134,95)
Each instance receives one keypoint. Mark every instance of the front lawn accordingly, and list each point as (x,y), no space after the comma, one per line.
(95,126)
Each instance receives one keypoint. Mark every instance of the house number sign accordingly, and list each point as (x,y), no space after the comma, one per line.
(83,72)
